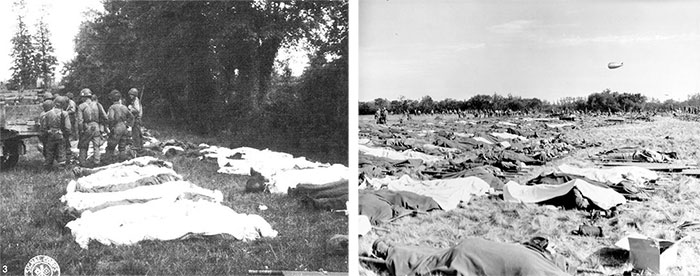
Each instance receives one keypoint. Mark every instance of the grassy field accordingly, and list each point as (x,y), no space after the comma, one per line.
(674,201)
(33,224)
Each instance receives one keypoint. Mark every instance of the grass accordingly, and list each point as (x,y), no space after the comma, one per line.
(33,224)
(674,201)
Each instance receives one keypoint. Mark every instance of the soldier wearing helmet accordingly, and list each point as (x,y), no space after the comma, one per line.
(48,99)
(63,103)
(119,119)
(88,117)
(55,126)
(137,110)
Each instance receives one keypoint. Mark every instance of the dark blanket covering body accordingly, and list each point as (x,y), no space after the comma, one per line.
(383,205)
(329,196)
(472,256)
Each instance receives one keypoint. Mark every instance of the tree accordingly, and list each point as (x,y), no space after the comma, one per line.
(23,66)
(211,60)
(480,102)
(426,104)
(44,59)
(381,102)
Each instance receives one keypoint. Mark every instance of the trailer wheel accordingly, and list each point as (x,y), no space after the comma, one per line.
(10,155)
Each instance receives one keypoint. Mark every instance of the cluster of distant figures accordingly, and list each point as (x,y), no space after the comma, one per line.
(381,115)
(63,120)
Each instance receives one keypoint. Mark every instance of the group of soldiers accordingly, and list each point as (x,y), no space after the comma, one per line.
(381,115)
(62,120)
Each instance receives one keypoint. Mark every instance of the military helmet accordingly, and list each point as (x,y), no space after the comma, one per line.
(61,101)
(47,105)
(86,92)
(133,92)
(69,95)
(48,96)
(115,95)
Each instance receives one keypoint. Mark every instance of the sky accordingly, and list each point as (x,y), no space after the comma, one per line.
(63,18)
(544,49)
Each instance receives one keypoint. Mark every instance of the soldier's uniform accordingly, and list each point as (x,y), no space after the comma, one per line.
(72,108)
(119,119)
(54,124)
(137,111)
(88,118)
(63,103)
(46,106)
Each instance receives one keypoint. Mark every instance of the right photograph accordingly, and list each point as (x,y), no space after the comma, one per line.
(529,137)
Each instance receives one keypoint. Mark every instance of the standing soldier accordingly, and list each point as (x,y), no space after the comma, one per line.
(55,124)
(63,103)
(71,109)
(118,118)
(46,106)
(384,115)
(137,111)
(88,118)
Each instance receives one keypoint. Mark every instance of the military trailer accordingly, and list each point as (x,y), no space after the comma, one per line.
(19,115)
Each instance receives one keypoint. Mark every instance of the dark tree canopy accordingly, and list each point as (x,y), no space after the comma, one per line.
(211,64)
(605,101)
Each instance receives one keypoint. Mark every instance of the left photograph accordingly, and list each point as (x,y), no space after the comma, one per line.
(174,137)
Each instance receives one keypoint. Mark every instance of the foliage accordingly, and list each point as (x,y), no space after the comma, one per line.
(210,65)
(23,67)
(605,101)
(211,59)
(44,59)
(33,56)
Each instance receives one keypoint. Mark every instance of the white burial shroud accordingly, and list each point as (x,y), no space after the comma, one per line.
(280,170)
(126,203)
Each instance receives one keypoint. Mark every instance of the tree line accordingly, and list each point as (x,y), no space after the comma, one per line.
(605,101)
(33,58)
(212,66)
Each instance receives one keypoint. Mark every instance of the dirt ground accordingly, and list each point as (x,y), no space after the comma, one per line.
(674,200)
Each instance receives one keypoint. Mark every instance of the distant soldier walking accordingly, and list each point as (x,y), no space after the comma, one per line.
(118,118)
(55,125)
(88,118)
(137,111)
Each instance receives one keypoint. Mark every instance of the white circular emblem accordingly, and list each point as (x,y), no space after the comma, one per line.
(42,265)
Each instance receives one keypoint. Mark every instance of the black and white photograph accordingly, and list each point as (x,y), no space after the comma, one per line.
(528,137)
(179,137)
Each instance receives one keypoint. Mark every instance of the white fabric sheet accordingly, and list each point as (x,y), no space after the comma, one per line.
(118,178)
(449,193)
(605,198)
(170,190)
(508,136)
(399,155)
(282,181)
(266,162)
(165,219)
(612,175)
